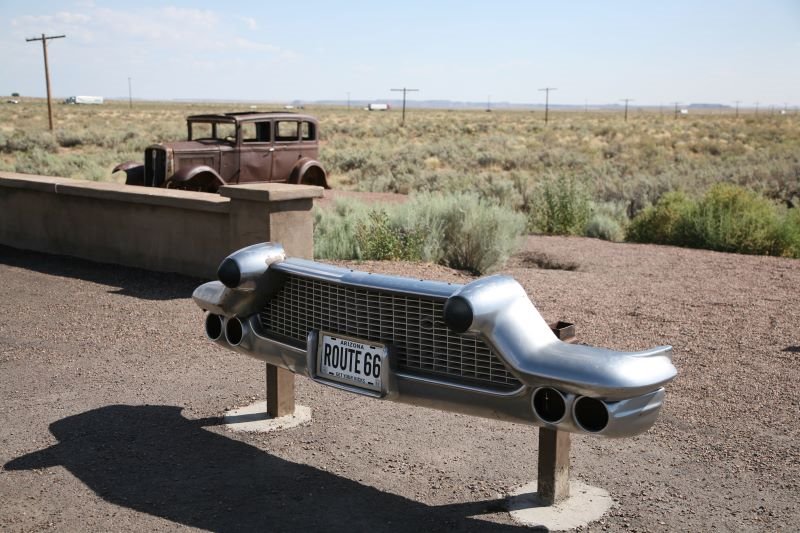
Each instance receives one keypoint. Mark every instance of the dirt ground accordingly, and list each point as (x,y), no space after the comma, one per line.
(111,404)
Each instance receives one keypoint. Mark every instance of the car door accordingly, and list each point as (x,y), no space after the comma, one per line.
(287,148)
(255,151)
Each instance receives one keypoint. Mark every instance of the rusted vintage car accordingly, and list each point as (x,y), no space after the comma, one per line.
(233,148)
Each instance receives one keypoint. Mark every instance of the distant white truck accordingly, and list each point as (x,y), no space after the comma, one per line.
(378,107)
(84,100)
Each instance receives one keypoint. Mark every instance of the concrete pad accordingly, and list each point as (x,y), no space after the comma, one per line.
(585,504)
(254,418)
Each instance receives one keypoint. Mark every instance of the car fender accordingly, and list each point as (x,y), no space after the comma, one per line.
(201,175)
(304,165)
(134,172)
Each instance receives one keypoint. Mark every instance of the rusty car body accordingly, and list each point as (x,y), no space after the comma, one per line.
(233,148)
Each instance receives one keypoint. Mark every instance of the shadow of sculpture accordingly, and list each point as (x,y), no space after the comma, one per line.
(153,460)
(130,281)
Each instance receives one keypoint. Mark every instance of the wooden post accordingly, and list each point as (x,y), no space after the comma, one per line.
(280,391)
(44,38)
(553,467)
(553,483)
(276,212)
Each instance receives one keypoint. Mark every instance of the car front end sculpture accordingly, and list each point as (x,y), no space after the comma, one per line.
(482,348)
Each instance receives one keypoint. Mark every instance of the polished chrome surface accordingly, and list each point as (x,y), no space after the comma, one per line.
(251,263)
(411,324)
(506,355)
(365,280)
(507,318)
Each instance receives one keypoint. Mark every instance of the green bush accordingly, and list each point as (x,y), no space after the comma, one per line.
(789,233)
(380,240)
(660,224)
(606,227)
(608,221)
(461,231)
(335,230)
(561,207)
(728,218)
(25,142)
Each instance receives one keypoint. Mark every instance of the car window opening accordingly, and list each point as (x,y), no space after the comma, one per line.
(255,132)
(286,131)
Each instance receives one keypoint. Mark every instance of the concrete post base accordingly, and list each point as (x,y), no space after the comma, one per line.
(254,418)
(585,504)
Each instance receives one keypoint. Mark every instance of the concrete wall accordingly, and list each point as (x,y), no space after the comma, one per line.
(156,229)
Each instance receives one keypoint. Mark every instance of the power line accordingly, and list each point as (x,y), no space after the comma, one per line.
(44,38)
(547,101)
(626,100)
(405,90)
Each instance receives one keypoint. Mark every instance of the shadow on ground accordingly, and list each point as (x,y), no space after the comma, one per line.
(153,460)
(131,281)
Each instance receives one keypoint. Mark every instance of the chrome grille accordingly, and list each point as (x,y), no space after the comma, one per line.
(412,325)
(155,167)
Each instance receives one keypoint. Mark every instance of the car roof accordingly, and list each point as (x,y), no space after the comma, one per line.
(241,116)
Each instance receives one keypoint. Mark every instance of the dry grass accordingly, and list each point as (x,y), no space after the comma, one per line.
(503,155)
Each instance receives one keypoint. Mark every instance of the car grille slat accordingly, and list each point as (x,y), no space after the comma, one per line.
(411,324)
(155,167)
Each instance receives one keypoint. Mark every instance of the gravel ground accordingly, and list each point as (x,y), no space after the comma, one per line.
(112,400)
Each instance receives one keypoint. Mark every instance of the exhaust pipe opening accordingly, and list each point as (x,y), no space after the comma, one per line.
(590,414)
(234,331)
(549,405)
(213,326)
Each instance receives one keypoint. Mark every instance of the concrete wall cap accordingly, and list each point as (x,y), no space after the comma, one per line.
(271,192)
(31,182)
(198,201)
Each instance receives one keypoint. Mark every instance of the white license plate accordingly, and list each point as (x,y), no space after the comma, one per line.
(350,361)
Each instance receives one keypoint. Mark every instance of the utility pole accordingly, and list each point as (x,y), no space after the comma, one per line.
(44,40)
(405,90)
(547,102)
(676,109)
(737,102)
(130,94)
(348,101)
(489,103)
(626,100)
(757,107)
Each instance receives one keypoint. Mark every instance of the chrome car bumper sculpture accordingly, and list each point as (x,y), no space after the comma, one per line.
(481,348)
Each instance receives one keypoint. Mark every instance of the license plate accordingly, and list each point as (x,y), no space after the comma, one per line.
(350,361)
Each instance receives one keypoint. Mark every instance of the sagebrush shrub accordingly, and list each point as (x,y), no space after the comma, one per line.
(461,231)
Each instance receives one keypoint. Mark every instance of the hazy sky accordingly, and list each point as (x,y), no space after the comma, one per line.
(597,51)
